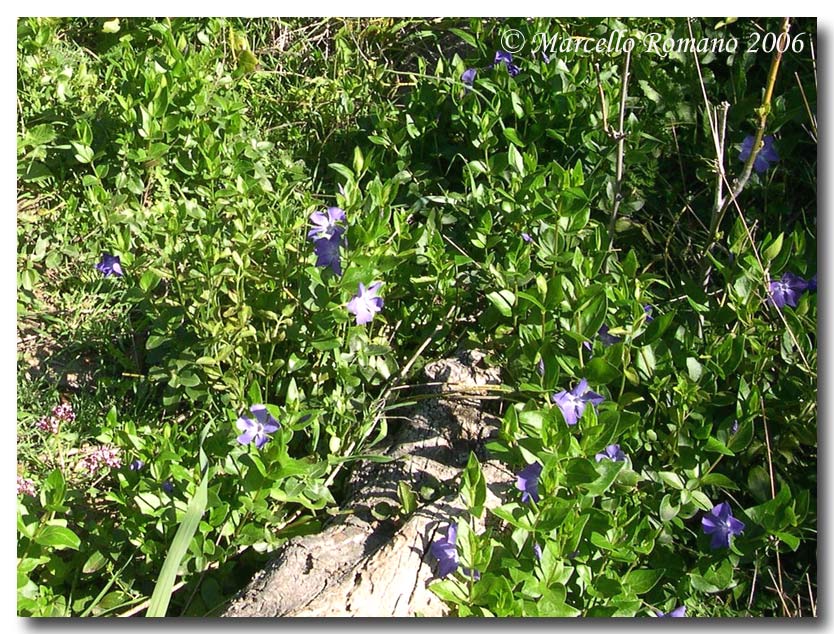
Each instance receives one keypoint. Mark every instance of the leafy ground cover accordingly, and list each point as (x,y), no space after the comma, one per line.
(237,239)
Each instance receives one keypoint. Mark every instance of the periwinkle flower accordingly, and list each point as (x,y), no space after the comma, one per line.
(257,428)
(721,524)
(786,291)
(527,481)
(605,338)
(766,156)
(572,403)
(676,613)
(110,265)
(648,308)
(327,253)
(445,552)
(812,284)
(526,236)
(503,57)
(366,303)
(537,551)
(611,452)
(324,224)
(468,77)
(168,487)
(136,465)
(540,367)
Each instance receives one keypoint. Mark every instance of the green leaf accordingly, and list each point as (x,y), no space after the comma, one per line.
(599,371)
(694,368)
(503,301)
(580,471)
(515,515)
(473,490)
(769,253)
(344,170)
(179,546)
(148,281)
(512,137)
(716,446)
(408,500)
(667,510)
(58,537)
(671,479)
(94,563)
(657,327)
(608,470)
(642,580)
(515,160)
(744,434)
(719,480)
(111,26)
(700,584)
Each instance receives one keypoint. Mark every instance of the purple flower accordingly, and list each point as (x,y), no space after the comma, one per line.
(611,452)
(573,403)
(734,428)
(527,481)
(721,524)
(366,303)
(676,613)
(503,57)
(445,552)
(110,265)
(767,154)
(540,367)
(136,465)
(526,236)
(468,77)
(257,428)
(648,308)
(327,253)
(787,290)
(605,338)
(537,551)
(168,487)
(812,284)
(545,56)
(324,224)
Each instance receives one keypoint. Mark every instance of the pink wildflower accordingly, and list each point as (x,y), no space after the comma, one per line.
(25,486)
(101,456)
(62,413)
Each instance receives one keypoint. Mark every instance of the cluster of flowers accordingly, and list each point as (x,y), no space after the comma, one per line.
(25,486)
(99,457)
(501,57)
(787,290)
(719,522)
(62,413)
(326,235)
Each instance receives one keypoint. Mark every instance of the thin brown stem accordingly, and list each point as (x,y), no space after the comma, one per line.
(620,136)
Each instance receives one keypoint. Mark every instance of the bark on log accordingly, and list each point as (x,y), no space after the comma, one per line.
(359,566)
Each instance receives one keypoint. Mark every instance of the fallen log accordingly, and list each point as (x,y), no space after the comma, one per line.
(363,566)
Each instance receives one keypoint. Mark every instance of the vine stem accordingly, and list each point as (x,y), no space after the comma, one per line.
(619,135)
(722,203)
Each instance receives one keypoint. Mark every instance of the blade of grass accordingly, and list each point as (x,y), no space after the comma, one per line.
(162,591)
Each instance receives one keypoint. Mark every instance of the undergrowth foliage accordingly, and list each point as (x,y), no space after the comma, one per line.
(257,229)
